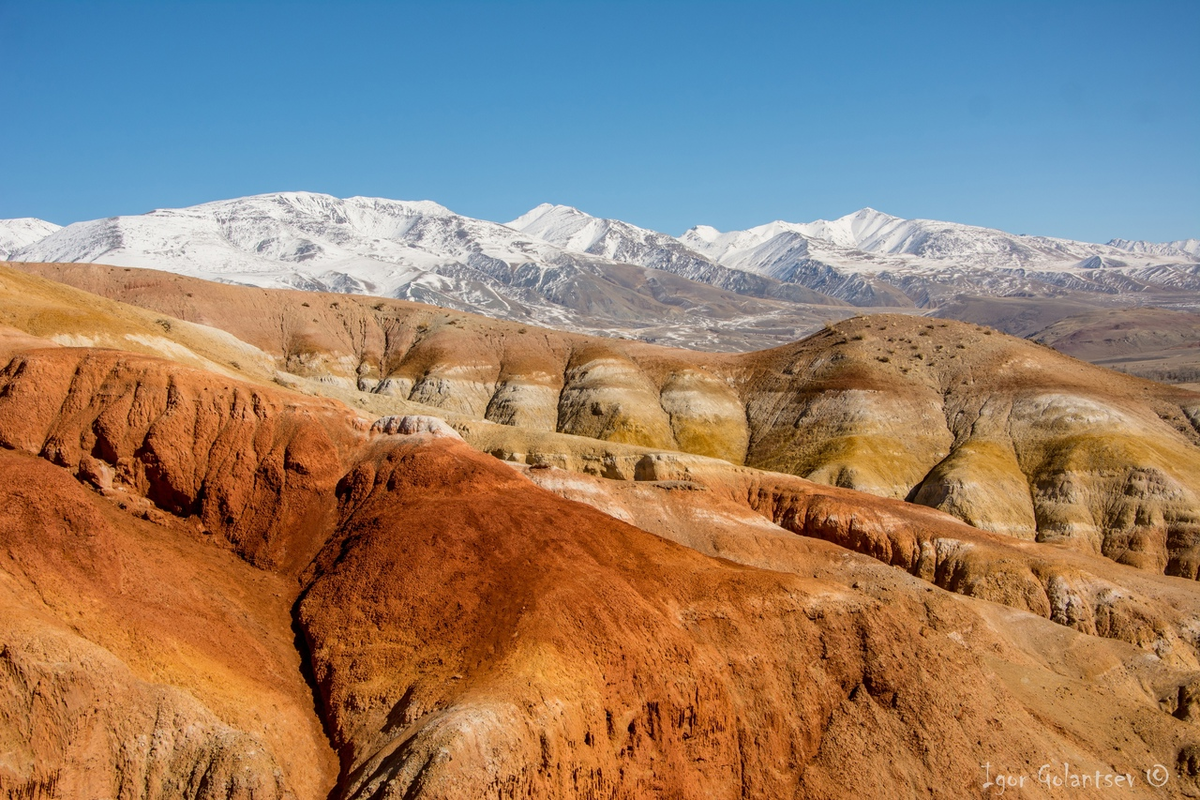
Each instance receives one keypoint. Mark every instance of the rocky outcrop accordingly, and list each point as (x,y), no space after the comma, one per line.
(1082,592)
(138,660)
(233,456)
(583,656)
(413,425)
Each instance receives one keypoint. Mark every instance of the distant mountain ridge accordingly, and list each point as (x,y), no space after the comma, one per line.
(1186,246)
(423,251)
(870,258)
(558,266)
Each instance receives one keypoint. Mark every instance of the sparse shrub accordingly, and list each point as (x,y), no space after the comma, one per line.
(1163,375)
(883,359)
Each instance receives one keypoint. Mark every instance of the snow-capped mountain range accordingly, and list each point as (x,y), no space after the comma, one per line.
(424,252)
(558,266)
(1189,247)
(870,258)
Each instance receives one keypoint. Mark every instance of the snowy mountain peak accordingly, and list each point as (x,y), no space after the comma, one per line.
(264,238)
(868,217)
(578,232)
(324,205)
(860,230)
(574,230)
(866,213)
(701,233)
(548,216)
(1179,247)
(21,232)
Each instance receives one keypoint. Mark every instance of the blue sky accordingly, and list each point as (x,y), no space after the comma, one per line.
(1062,118)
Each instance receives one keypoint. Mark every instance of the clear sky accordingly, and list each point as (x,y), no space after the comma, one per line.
(1076,119)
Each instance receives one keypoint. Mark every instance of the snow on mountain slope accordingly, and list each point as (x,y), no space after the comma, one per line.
(866,256)
(765,250)
(875,232)
(1189,247)
(560,267)
(22,232)
(871,231)
(565,226)
(571,229)
(422,251)
(578,232)
(383,243)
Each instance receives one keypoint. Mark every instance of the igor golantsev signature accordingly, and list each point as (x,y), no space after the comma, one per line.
(1062,775)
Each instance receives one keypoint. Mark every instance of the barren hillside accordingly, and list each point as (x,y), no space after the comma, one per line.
(1005,434)
(465,633)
